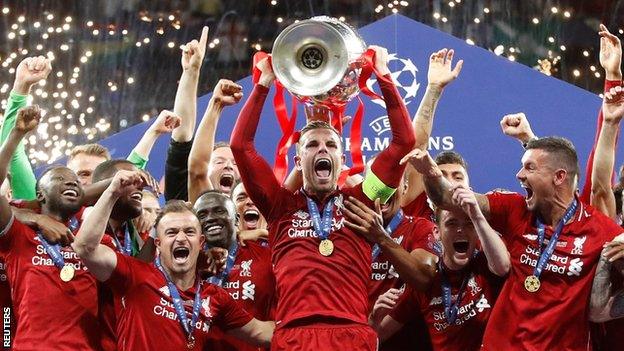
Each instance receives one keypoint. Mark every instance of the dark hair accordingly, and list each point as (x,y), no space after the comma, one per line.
(108,169)
(562,151)
(174,206)
(46,171)
(318,125)
(451,158)
(219,144)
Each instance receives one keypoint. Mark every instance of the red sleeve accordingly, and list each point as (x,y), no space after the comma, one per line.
(254,170)
(14,229)
(386,166)
(421,237)
(407,307)
(506,210)
(231,315)
(124,275)
(586,192)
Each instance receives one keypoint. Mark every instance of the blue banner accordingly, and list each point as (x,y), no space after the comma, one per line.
(467,118)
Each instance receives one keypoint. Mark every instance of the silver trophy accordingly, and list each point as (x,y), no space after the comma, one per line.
(319,61)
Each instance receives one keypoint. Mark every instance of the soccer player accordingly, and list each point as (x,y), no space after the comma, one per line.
(212,166)
(251,223)
(440,73)
(464,272)
(322,268)
(165,304)
(54,297)
(247,275)
(554,240)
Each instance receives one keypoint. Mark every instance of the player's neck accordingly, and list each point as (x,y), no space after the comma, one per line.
(183,280)
(320,195)
(450,264)
(115,224)
(558,206)
(58,215)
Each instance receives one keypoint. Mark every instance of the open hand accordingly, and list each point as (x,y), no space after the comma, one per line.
(363,220)
(441,72)
(610,53)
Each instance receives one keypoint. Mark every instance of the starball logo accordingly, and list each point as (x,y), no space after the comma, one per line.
(404,74)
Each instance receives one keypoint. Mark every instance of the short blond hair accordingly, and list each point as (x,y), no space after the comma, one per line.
(91,150)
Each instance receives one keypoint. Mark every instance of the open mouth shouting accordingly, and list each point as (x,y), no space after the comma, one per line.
(180,254)
(323,168)
(529,193)
(461,246)
(226,181)
(70,194)
(213,230)
(137,196)
(251,218)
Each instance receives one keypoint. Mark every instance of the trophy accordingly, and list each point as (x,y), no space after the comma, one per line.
(319,61)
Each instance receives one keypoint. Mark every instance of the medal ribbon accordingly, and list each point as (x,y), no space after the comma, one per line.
(322,226)
(451,309)
(394,223)
(54,250)
(177,302)
(222,277)
(550,248)
(126,249)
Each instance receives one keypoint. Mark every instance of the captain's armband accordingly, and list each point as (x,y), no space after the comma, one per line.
(374,188)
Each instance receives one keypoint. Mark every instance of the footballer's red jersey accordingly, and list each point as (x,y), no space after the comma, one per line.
(49,312)
(466,332)
(310,285)
(148,320)
(556,316)
(411,233)
(419,207)
(251,283)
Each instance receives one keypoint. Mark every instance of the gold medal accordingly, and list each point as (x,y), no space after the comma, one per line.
(532,283)
(190,342)
(326,247)
(67,273)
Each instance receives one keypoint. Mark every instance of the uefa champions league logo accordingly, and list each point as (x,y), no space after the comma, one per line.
(403,72)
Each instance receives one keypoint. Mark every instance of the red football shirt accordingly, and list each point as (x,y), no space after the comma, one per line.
(556,316)
(251,283)
(60,315)
(412,233)
(335,286)
(419,207)
(148,321)
(474,311)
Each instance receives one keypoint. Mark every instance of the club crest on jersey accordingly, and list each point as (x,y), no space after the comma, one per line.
(301,214)
(246,268)
(474,287)
(578,245)
(206,307)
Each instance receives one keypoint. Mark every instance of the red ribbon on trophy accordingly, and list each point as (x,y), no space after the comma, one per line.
(287,124)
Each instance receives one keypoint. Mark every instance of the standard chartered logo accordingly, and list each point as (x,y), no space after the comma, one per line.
(249,290)
(576,266)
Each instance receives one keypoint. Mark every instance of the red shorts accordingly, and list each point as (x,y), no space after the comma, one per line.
(325,337)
